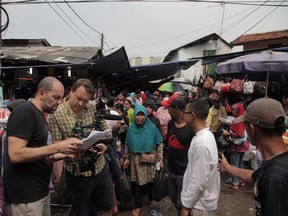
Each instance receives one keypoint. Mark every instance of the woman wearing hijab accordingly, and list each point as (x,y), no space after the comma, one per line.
(142,137)
(239,143)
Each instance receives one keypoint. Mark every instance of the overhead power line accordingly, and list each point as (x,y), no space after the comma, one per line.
(73,22)
(81,18)
(151,1)
(263,17)
(66,23)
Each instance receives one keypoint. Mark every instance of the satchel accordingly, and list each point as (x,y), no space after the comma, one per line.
(225,87)
(149,158)
(248,87)
(217,85)
(259,89)
(236,85)
(208,83)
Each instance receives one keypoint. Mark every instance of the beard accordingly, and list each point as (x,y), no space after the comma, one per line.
(48,108)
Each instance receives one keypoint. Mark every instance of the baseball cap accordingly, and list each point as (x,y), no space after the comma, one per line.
(175,100)
(265,113)
(215,97)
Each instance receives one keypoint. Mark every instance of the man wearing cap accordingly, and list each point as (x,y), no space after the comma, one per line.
(179,137)
(215,112)
(265,123)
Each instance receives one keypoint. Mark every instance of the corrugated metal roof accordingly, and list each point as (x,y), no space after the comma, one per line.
(50,54)
(244,39)
(212,36)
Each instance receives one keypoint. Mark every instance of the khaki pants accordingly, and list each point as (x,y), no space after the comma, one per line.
(197,212)
(38,208)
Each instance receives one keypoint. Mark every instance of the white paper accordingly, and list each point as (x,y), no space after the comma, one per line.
(93,137)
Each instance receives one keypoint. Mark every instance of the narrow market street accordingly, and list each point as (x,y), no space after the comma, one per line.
(230,203)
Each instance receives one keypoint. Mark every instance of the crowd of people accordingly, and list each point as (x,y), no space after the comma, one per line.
(145,132)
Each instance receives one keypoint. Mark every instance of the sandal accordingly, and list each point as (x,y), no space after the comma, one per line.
(233,187)
(242,184)
(136,212)
(152,205)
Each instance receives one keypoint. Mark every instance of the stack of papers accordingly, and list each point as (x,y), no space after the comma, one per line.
(93,137)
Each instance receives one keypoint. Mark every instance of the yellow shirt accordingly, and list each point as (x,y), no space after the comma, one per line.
(213,118)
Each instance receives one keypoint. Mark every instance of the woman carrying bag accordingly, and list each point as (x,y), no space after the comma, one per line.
(144,151)
(239,143)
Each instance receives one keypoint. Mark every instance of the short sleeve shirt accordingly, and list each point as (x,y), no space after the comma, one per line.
(62,124)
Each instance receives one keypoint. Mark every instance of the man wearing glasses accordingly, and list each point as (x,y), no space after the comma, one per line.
(201,183)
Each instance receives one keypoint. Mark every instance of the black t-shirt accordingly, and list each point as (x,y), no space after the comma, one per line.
(179,140)
(27,182)
(271,187)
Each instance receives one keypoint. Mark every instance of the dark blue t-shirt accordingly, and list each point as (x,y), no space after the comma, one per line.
(271,187)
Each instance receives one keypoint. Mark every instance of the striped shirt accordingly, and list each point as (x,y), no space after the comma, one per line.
(61,125)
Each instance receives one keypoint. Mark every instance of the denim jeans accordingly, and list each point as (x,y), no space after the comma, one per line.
(236,160)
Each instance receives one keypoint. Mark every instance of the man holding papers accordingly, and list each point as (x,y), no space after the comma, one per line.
(88,177)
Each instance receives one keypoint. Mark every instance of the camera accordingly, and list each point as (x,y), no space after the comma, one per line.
(88,160)
(87,164)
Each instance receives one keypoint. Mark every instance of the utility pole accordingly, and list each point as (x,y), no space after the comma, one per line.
(221,28)
(102,41)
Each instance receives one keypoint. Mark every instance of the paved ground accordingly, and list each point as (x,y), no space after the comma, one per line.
(232,203)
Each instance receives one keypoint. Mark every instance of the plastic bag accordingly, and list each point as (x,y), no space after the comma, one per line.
(240,140)
(123,189)
(160,185)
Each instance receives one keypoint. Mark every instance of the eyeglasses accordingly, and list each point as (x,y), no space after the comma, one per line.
(187,112)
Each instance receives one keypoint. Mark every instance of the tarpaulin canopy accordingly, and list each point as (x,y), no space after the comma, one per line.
(223,57)
(117,65)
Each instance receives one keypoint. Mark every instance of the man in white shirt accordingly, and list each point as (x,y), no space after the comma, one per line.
(201,183)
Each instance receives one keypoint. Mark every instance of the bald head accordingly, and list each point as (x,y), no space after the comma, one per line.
(47,83)
(50,92)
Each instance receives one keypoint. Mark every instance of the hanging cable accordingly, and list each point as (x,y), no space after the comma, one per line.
(81,18)
(87,23)
(73,22)
(66,23)
(264,17)
(5,26)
